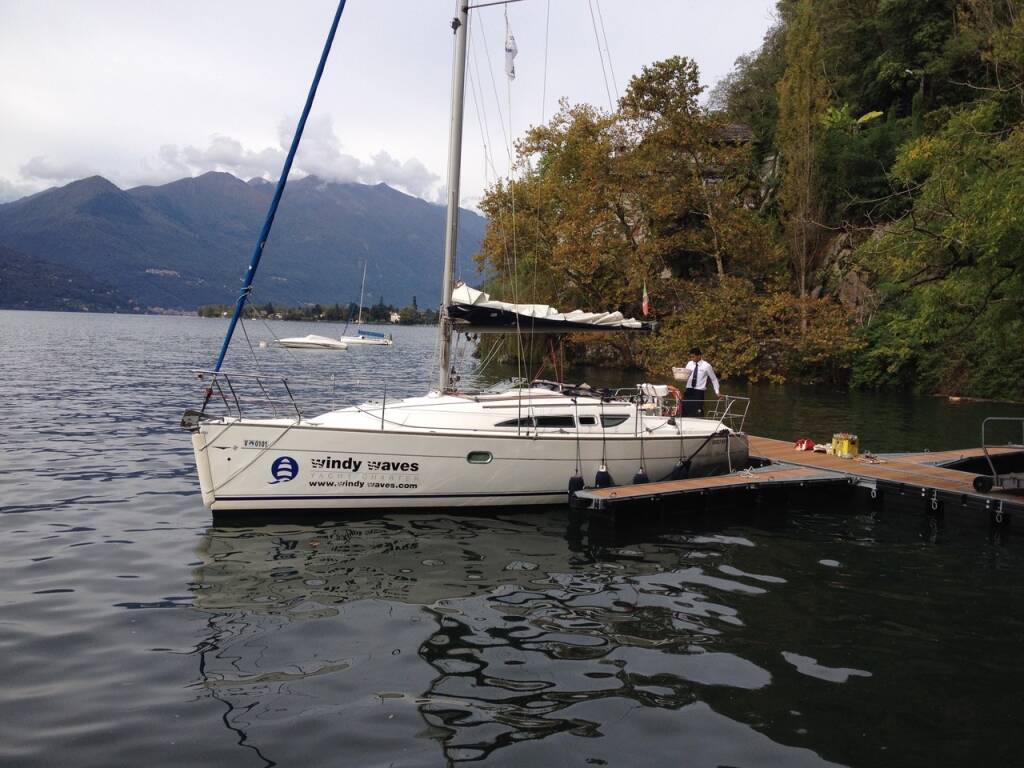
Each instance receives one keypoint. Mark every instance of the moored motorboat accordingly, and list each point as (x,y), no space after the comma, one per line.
(312,341)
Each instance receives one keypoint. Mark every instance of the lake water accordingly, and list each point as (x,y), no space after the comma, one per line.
(134,630)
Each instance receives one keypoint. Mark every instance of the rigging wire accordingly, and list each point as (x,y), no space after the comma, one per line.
(512,196)
(537,221)
(511,252)
(480,108)
(600,55)
(544,81)
(494,87)
(607,49)
(241,323)
(509,257)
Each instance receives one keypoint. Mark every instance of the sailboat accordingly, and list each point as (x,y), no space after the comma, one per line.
(362,335)
(517,443)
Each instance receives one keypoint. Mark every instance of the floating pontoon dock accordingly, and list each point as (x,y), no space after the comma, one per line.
(936,479)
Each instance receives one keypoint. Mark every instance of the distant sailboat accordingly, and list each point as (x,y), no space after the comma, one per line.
(362,335)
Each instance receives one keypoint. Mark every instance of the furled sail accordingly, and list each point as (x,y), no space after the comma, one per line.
(475,311)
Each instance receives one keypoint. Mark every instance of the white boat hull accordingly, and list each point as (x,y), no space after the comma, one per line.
(368,340)
(312,342)
(277,465)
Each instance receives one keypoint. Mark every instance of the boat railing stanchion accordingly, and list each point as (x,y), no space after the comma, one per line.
(295,405)
(223,395)
(269,399)
(234,395)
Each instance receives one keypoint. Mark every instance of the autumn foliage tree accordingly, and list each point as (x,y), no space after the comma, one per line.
(653,194)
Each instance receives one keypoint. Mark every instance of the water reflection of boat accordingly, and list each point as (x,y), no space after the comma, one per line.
(484,638)
(416,561)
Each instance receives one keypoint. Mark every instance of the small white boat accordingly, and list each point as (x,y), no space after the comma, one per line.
(369,337)
(312,341)
(362,335)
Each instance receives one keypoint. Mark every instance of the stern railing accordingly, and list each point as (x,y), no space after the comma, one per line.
(262,395)
(729,410)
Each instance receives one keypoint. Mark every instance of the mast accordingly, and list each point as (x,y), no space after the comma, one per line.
(460,25)
(362,288)
(261,241)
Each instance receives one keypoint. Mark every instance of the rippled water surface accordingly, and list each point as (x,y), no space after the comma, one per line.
(136,630)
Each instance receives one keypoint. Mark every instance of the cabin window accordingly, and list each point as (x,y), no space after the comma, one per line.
(479,457)
(559,422)
(613,420)
(549,422)
(587,421)
(526,421)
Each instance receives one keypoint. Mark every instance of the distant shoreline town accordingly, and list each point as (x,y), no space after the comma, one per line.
(336,313)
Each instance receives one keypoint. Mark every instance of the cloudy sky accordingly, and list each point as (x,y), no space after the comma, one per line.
(147,92)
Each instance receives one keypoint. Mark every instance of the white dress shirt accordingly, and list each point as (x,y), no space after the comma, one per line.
(704,373)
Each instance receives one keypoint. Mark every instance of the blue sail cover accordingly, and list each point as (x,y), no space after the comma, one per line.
(474,311)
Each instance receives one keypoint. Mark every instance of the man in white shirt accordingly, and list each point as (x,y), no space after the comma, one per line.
(699,372)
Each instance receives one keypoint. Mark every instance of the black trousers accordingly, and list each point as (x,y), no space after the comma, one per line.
(693,402)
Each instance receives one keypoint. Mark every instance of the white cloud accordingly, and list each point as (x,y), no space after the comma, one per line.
(39,173)
(321,154)
(42,168)
(411,174)
(10,190)
(159,91)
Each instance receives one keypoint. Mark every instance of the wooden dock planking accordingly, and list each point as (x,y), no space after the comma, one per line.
(945,458)
(920,474)
(904,470)
(775,476)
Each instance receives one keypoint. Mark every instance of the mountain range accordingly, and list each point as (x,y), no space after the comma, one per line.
(92,245)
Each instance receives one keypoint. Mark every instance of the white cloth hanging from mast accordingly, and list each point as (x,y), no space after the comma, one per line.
(511,49)
(473,310)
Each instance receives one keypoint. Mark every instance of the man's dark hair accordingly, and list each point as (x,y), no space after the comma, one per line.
(694,350)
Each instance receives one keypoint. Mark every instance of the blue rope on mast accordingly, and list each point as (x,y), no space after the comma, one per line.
(269,222)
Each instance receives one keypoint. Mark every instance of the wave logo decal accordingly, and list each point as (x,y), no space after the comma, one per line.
(284,469)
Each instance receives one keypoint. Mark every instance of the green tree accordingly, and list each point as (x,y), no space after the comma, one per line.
(749,94)
(951,272)
(803,99)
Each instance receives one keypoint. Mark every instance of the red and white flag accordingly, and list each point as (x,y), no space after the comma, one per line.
(645,304)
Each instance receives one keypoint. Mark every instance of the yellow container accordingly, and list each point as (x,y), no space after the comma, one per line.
(844,445)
